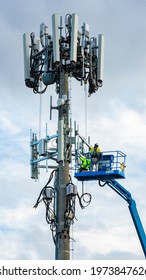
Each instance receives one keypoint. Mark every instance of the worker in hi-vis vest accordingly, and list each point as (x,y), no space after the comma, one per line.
(85,163)
(95,157)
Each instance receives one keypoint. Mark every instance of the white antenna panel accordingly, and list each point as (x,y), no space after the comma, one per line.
(55,31)
(100,57)
(26,56)
(74,36)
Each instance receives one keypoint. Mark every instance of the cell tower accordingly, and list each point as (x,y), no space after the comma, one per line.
(52,59)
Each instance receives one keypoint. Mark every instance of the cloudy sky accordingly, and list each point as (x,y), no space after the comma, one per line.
(116,119)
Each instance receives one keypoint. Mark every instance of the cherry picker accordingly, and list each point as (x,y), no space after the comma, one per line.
(111,166)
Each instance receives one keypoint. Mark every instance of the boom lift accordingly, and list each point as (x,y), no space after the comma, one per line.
(110,167)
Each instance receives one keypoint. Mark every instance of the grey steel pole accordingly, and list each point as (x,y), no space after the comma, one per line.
(62,251)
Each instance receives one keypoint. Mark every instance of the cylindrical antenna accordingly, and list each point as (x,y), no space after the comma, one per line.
(51,107)
(40,111)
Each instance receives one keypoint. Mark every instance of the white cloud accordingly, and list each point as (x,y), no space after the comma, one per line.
(105,242)
(20,230)
(7,125)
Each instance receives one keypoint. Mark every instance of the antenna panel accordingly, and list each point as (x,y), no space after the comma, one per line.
(74,36)
(100,58)
(55,36)
(42,33)
(26,56)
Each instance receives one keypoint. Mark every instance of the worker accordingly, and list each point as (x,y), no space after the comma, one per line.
(95,157)
(85,165)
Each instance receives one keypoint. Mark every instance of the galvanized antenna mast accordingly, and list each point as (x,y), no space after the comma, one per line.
(52,59)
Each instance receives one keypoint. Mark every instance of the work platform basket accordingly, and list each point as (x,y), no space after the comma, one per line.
(110,166)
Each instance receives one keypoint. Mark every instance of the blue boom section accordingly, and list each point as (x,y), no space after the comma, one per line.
(133,210)
(110,166)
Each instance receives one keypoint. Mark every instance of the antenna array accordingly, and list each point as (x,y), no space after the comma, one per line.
(75,52)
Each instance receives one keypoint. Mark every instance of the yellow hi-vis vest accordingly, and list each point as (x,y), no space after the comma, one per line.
(98,150)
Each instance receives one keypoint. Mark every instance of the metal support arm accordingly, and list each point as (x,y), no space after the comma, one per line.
(133,210)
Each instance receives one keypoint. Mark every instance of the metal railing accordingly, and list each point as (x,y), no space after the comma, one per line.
(110,160)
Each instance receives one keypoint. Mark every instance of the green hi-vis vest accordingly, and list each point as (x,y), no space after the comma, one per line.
(85,163)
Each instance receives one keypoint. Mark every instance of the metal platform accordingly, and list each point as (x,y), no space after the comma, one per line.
(99,175)
(110,166)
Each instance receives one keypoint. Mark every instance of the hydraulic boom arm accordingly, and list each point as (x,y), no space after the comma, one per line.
(132,208)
